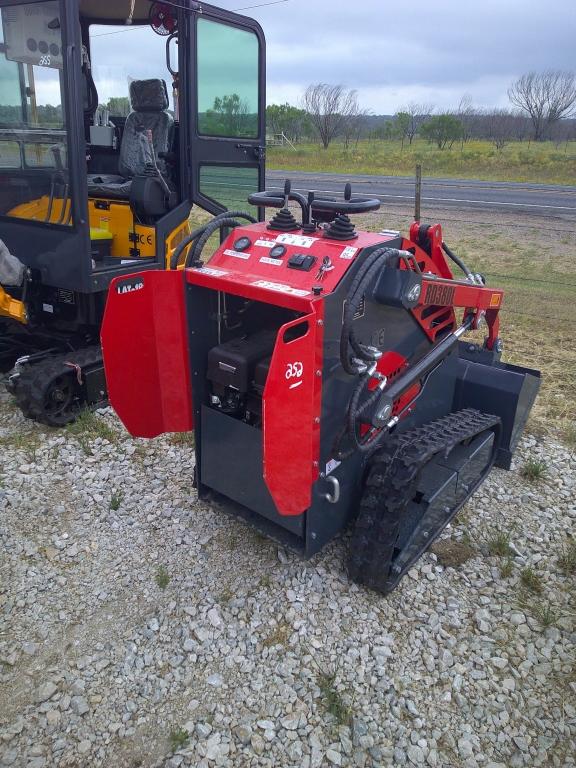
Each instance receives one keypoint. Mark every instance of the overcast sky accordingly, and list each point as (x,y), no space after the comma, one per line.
(426,51)
(413,50)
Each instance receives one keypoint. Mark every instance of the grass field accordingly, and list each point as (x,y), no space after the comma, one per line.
(518,161)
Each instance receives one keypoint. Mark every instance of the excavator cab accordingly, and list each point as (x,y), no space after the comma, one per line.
(116,117)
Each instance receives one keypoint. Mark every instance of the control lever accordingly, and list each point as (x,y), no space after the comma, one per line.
(309,225)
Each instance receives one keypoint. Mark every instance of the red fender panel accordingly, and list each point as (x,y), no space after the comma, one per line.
(145,346)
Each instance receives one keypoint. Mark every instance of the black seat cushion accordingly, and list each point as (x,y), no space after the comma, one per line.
(109,185)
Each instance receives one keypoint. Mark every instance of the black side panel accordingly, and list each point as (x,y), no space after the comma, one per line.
(507,391)
(232,465)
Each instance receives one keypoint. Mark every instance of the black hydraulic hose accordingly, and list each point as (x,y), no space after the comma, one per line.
(225,219)
(355,411)
(361,281)
(195,252)
(194,235)
(457,260)
(197,233)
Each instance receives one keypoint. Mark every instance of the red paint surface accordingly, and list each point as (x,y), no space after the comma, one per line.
(145,347)
(291,402)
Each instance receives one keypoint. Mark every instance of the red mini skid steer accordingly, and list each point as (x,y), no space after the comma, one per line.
(324,373)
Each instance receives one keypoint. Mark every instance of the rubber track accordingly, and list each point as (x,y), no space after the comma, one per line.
(34,380)
(390,486)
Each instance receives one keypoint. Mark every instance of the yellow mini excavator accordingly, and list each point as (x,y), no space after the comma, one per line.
(104,149)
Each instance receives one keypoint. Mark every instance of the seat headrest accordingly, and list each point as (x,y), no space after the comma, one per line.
(148,95)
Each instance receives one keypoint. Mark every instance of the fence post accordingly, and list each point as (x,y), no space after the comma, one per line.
(418,193)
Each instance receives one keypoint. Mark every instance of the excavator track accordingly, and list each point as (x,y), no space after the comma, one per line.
(415,485)
(52,391)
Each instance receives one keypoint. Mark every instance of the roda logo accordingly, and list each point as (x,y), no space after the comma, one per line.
(128,286)
(441,295)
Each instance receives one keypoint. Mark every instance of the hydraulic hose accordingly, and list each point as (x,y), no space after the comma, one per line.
(193,237)
(457,260)
(355,411)
(362,280)
(224,220)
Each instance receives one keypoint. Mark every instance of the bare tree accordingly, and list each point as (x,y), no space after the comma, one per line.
(329,107)
(500,127)
(353,127)
(415,116)
(546,97)
(466,113)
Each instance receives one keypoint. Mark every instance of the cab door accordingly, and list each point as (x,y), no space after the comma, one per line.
(228,109)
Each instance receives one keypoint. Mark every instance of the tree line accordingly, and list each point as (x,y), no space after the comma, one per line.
(542,106)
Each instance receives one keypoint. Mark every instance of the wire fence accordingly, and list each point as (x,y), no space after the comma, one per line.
(428,210)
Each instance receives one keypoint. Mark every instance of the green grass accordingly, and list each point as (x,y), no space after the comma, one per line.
(178,738)
(540,162)
(182,439)
(567,559)
(531,580)
(116,500)
(27,442)
(534,470)
(89,426)
(569,435)
(162,577)
(333,700)
(498,544)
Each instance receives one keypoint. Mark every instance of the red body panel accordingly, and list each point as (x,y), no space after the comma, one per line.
(145,347)
(291,410)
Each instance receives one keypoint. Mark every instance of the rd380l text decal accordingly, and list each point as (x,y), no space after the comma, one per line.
(130,285)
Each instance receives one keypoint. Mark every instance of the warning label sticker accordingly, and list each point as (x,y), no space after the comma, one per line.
(349,252)
(280,287)
(332,465)
(274,262)
(299,240)
(265,243)
(213,272)
(236,254)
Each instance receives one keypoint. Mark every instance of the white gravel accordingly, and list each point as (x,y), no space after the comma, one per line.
(165,633)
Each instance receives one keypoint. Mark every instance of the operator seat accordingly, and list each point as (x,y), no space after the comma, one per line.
(149,101)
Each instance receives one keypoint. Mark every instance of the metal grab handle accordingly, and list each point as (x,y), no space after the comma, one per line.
(334,496)
(173,36)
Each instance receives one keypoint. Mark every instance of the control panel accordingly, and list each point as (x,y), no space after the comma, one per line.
(289,262)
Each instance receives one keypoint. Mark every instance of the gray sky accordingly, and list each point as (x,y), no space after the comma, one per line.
(417,50)
(428,51)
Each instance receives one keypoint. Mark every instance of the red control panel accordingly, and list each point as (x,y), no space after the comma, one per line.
(293,265)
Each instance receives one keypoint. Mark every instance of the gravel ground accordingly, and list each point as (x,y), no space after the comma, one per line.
(140,627)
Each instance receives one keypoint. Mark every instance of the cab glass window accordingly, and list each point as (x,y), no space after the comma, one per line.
(33,139)
(120,54)
(227,80)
